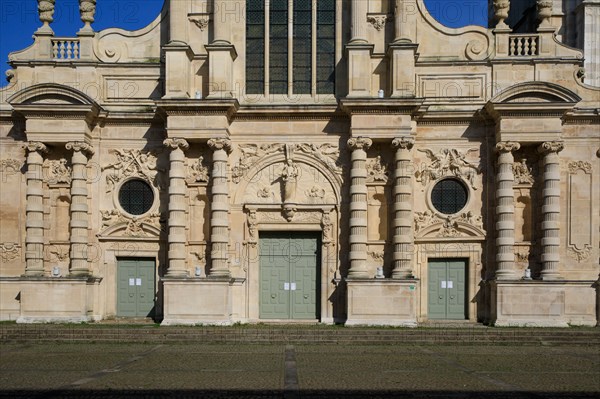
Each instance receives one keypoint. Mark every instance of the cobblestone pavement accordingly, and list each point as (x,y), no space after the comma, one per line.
(296,371)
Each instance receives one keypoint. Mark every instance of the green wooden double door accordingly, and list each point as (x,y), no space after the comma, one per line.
(447,293)
(289,275)
(136,287)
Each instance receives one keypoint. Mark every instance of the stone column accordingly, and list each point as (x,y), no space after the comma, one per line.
(403,209)
(551,209)
(78,226)
(34,217)
(219,208)
(177,207)
(359,21)
(177,21)
(358,207)
(220,26)
(505,211)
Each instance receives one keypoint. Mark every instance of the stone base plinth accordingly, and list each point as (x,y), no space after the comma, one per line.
(191,301)
(382,302)
(56,300)
(533,303)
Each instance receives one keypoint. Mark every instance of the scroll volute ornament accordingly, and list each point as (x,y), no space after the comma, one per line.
(405,143)
(551,146)
(176,143)
(78,146)
(507,146)
(360,143)
(501,8)
(33,146)
(220,144)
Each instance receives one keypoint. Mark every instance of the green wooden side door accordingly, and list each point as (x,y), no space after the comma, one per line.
(289,275)
(135,287)
(447,289)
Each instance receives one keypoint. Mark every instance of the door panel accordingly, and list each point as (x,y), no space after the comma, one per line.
(135,287)
(447,289)
(288,275)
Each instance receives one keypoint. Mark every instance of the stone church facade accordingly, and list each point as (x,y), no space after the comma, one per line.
(339,161)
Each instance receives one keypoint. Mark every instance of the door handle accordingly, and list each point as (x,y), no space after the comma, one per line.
(273,296)
(131,295)
(305,296)
(451,296)
(441,297)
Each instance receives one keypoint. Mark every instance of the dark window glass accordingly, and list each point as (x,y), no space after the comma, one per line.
(302,46)
(326,47)
(449,196)
(136,197)
(255,47)
(278,47)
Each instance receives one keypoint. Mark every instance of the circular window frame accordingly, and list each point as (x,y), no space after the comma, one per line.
(118,205)
(461,182)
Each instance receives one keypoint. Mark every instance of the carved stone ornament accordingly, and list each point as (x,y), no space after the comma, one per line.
(544,11)
(58,171)
(79,146)
(360,143)
(176,143)
(377,21)
(252,228)
(35,146)
(523,173)
(405,143)
(501,8)
(134,227)
(289,211)
(197,171)
(551,146)
(87,9)
(10,74)
(253,153)
(315,192)
(327,225)
(447,162)
(131,162)
(289,177)
(449,228)
(424,219)
(46,11)
(9,251)
(575,166)
(200,22)
(427,218)
(377,171)
(264,192)
(10,165)
(580,255)
(220,144)
(507,146)
(522,253)
(60,252)
(376,255)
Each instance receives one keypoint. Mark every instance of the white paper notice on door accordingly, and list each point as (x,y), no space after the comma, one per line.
(450,285)
(138,281)
(131,281)
(443,284)
(286,286)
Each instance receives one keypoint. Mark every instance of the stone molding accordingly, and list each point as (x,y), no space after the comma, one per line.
(447,162)
(9,251)
(132,163)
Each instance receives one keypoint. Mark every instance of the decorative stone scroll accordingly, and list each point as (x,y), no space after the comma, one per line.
(132,162)
(59,171)
(377,171)
(133,226)
(575,166)
(447,162)
(9,251)
(427,218)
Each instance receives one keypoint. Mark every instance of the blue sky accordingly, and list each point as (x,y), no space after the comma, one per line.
(19,19)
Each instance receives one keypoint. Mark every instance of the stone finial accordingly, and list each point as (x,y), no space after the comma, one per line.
(360,143)
(501,8)
(544,12)
(87,9)
(46,13)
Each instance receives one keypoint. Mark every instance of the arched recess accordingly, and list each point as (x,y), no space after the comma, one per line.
(51,93)
(538,92)
(254,171)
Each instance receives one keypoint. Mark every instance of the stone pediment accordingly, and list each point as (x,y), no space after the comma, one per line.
(465,226)
(51,93)
(536,92)
(148,227)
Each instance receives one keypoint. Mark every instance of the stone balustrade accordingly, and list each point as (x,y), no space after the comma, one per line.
(523,45)
(66,48)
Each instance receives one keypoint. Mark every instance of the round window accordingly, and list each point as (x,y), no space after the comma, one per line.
(136,197)
(449,196)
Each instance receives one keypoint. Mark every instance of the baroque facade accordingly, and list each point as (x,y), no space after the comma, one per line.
(348,161)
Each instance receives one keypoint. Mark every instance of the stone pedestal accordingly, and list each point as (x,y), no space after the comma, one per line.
(56,300)
(402,56)
(197,301)
(220,70)
(385,302)
(530,303)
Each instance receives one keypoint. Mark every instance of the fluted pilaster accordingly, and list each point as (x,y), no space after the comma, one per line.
(34,217)
(403,209)
(359,21)
(505,211)
(177,207)
(358,207)
(219,207)
(78,225)
(551,210)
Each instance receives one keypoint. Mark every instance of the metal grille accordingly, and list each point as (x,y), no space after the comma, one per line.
(449,196)
(136,197)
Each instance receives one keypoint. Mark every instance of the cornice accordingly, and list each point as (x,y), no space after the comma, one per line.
(195,107)
(387,106)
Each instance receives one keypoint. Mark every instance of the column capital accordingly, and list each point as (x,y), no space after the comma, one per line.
(507,146)
(176,143)
(35,146)
(360,143)
(551,146)
(80,146)
(405,143)
(220,144)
